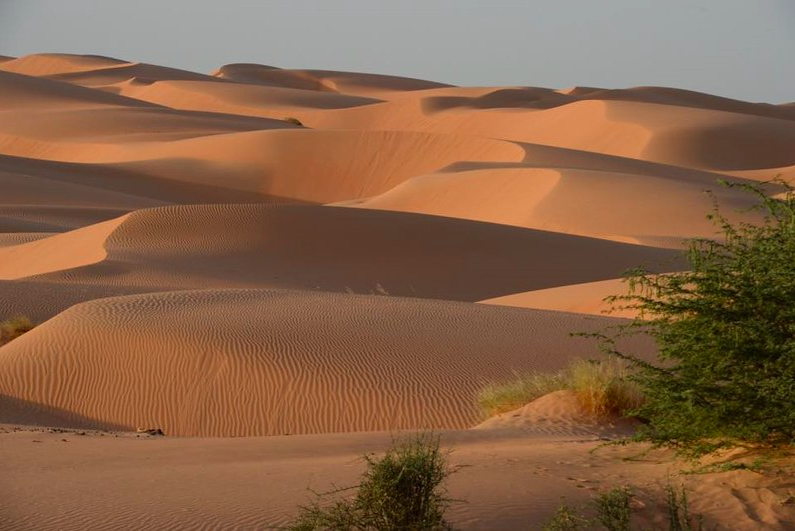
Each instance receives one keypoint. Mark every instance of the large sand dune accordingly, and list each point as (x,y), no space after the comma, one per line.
(312,247)
(232,363)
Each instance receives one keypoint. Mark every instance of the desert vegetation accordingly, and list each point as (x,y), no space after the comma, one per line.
(14,327)
(611,510)
(601,387)
(725,329)
(401,490)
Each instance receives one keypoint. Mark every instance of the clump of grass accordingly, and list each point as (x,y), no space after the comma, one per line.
(11,329)
(566,518)
(614,513)
(613,510)
(601,388)
(496,398)
(401,490)
(294,120)
(678,511)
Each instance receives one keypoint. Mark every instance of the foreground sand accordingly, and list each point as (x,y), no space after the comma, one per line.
(201,264)
(510,479)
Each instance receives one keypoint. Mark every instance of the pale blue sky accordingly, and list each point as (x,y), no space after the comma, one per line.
(736,48)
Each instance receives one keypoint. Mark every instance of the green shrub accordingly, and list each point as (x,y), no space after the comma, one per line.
(725,330)
(613,510)
(566,518)
(294,120)
(614,513)
(401,490)
(601,388)
(13,328)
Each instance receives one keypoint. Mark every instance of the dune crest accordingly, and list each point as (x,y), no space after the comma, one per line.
(57,253)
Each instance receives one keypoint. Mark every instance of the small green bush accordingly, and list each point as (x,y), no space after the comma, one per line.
(566,518)
(601,388)
(614,513)
(294,120)
(13,328)
(401,490)
(613,510)
(725,330)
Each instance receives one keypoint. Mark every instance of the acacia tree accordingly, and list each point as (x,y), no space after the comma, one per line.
(725,330)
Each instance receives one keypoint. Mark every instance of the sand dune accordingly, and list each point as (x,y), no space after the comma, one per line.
(602,204)
(333,249)
(702,138)
(96,71)
(252,362)
(25,92)
(263,161)
(45,64)
(234,98)
(357,84)
(587,298)
(56,253)
(542,98)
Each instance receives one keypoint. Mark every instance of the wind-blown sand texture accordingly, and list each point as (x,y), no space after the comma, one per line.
(201,264)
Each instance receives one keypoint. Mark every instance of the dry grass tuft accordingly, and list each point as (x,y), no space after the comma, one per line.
(13,328)
(601,387)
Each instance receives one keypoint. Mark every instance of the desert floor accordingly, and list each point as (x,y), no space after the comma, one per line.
(281,296)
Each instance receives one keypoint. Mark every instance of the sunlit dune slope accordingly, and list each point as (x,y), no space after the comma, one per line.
(254,362)
(603,204)
(586,298)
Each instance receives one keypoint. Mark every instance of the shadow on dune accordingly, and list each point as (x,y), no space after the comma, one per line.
(23,412)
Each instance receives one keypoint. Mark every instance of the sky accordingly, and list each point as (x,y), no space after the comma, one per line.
(737,48)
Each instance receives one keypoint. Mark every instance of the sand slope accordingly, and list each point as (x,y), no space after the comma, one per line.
(252,362)
(333,249)
(602,204)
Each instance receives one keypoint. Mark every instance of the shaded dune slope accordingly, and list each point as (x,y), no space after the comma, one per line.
(253,362)
(334,249)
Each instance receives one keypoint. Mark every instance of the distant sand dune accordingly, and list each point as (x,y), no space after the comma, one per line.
(25,92)
(354,83)
(233,98)
(602,204)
